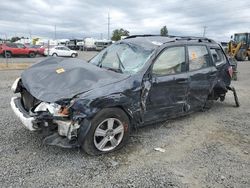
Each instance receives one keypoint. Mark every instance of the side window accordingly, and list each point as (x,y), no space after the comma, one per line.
(66,49)
(170,61)
(198,57)
(20,45)
(218,56)
(11,45)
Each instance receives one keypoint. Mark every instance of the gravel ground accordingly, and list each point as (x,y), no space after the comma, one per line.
(81,55)
(204,149)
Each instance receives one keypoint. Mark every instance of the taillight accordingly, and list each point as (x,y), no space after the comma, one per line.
(230,71)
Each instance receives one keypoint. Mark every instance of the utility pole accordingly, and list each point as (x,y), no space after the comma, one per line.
(6,58)
(204,30)
(30,33)
(55,32)
(108,25)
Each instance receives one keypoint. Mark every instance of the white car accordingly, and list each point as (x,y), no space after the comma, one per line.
(60,51)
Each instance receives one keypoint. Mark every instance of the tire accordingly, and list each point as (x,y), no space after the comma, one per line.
(32,54)
(73,55)
(101,139)
(54,54)
(241,55)
(7,54)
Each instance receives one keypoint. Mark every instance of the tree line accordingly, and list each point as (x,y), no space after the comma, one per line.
(118,33)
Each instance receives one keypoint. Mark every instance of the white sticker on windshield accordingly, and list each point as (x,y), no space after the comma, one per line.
(157,43)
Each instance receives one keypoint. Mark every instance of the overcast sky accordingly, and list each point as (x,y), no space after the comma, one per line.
(85,18)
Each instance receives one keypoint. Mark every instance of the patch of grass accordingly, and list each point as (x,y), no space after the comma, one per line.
(14,66)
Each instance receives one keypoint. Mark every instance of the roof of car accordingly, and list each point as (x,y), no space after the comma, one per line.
(153,41)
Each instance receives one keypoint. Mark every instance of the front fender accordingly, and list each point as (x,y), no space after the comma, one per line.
(88,108)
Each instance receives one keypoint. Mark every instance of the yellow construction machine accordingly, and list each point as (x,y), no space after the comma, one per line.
(239,46)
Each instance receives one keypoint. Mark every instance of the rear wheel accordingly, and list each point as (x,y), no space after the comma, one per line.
(109,131)
(32,54)
(7,54)
(241,55)
(209,102)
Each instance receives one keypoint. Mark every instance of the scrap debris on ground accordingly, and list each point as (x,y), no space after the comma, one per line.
(205,149)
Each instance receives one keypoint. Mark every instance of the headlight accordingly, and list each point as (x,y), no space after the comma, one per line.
(14,85)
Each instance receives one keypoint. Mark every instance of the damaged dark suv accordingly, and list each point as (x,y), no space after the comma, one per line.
(134,82)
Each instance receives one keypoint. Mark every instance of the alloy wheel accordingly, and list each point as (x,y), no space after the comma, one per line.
(108,134)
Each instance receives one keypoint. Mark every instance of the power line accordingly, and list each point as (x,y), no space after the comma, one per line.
(204,30)
(108,25)
(55,32)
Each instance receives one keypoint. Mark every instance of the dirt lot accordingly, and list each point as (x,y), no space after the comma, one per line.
(204,149)
(14,60)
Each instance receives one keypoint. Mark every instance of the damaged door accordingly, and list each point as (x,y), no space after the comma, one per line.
(202,74)
(168,93)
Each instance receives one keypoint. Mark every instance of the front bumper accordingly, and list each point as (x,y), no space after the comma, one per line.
(63,135)
(21,113)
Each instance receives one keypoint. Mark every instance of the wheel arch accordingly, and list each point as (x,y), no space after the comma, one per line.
(89,109)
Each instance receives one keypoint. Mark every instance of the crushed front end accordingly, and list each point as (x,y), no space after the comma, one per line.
(54,121)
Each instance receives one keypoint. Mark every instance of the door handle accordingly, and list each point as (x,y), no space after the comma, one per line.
(182,80)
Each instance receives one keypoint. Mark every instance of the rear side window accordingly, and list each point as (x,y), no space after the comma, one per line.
(170,61)
(198,57)
(11,45)
(20,45)
(218,56)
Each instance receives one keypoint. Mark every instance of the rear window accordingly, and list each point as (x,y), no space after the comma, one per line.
(218,56)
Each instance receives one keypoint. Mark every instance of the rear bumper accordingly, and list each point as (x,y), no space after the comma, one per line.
(21,113)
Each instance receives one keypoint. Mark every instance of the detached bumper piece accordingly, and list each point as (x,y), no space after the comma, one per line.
(22,114)
(237,103)
(57,140)
(58,131)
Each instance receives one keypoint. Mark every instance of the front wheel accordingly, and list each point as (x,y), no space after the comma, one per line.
(73,55)
(109,131)
(241,55)
(7,54)
(54,54)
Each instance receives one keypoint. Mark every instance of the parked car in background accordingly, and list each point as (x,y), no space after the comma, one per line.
(101,44)
(15,49)
(134,82)
(62,51)
(89,44)
(38,48)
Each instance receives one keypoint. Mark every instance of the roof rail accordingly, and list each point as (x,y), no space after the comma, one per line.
(200,39)
(144,35)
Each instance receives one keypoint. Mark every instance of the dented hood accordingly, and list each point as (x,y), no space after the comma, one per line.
(62,78)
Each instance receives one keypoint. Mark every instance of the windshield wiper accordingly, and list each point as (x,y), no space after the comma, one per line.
(113,69)
(121,66)
(103,56)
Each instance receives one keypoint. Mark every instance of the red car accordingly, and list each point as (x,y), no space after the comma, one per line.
(38,48)
(11,49)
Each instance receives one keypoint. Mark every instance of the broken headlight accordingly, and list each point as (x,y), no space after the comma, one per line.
(15,85)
